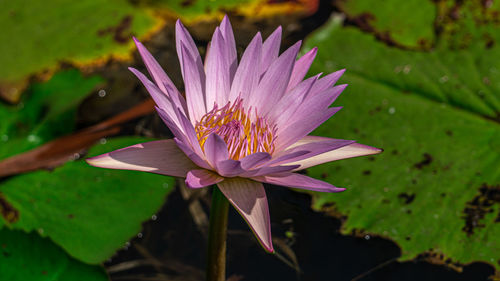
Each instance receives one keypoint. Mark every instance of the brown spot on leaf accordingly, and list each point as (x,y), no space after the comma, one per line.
(119,32)
(187,3)
(438,258)
(8,212)
(479,206)
(425,162)
(367,172)
(407,198)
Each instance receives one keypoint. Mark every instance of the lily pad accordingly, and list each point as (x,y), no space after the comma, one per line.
(89,212)
(408,24)
(433,189)
(47,111)
(192,11)
(468,24)
(38,35)
(30,257)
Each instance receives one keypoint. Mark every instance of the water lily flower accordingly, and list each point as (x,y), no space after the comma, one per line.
(241,123)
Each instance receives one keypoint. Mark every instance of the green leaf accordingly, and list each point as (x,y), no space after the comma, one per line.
(47,111)
(90,212)
(30,257)
(37,35)
(431,112)
(409,23)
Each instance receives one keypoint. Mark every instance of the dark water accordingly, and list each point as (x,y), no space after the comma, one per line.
(177,246)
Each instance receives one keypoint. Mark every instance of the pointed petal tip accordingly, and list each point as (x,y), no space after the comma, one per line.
(337,189)
(269,248)
(94,161)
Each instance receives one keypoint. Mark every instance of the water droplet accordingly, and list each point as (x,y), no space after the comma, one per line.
(392,110)
(407,69)
(139,235)
(367,237)
(165,185)
(75,156)
(436,216)
(444,79)
(5,137)
(102,93)
(33,138)
(154,217)
(103,141)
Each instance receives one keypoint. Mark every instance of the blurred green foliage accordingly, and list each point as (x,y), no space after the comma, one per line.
(48,110)
(89,212)
(29,257)
(37,35)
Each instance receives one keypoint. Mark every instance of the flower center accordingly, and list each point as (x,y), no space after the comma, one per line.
(243,132)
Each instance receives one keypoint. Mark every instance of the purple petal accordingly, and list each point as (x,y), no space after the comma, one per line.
(188,151)
(291,101)
(247,74)
(160,157)
(302,127)
(274,82)
(320,103)
(160,77)
(227,33)
(326,82)
(312,148)
(229,168)
(215,149)
(348,151)
(194,84)
(254,159)
(161,100)
(174,128)
(270,50)
(301,67)
(288,156)
(201,178)
(268,171)
(250,200)
(217,72)
(183,38)
(299,181)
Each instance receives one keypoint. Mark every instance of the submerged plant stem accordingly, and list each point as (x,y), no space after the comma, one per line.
(216,264)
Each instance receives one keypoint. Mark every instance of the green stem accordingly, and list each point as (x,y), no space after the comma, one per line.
(216,266)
